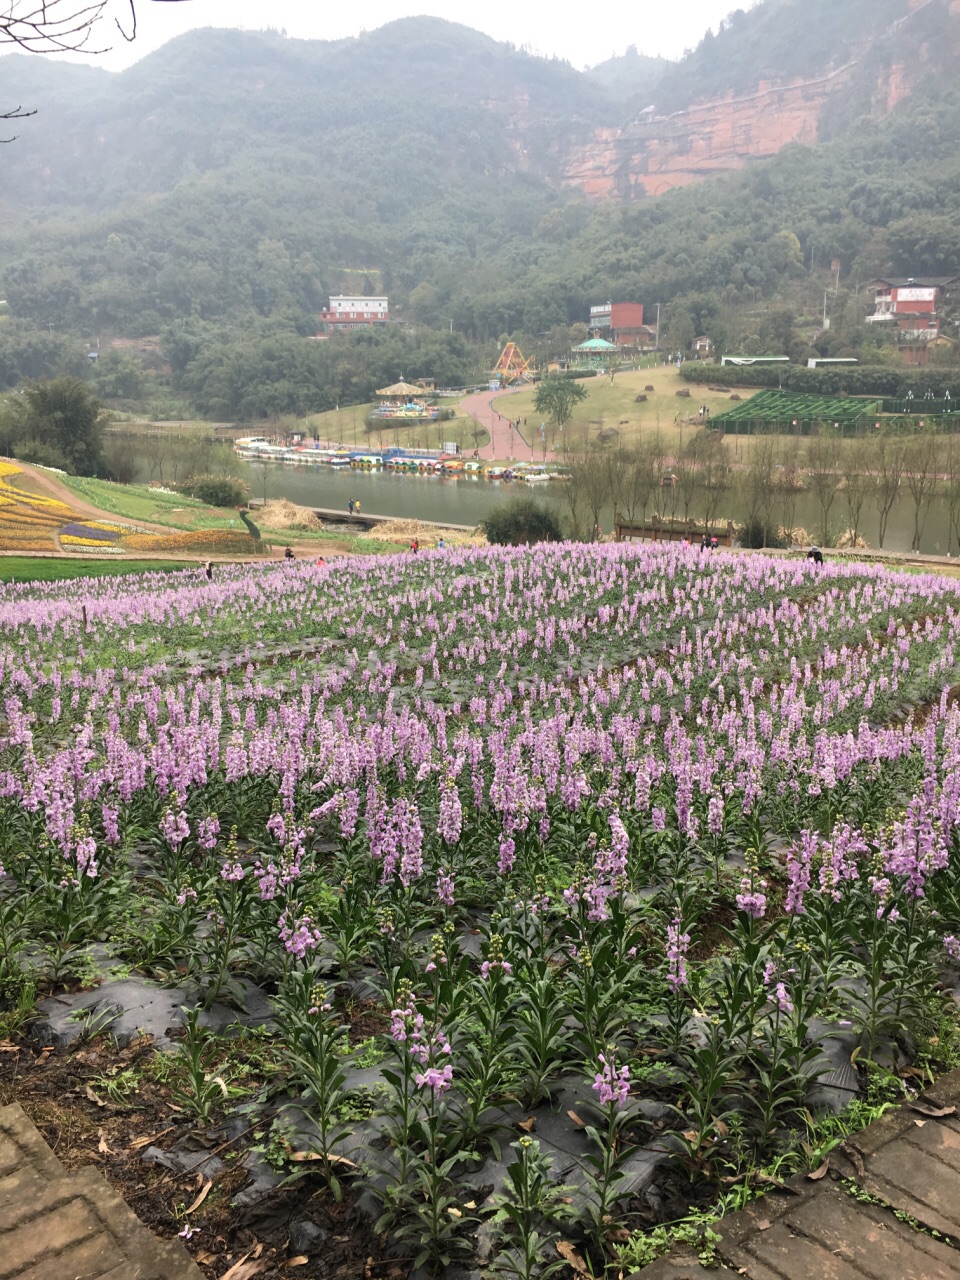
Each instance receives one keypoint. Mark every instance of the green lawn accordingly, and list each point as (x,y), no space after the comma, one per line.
(614,405)
(53,569)
(138,502)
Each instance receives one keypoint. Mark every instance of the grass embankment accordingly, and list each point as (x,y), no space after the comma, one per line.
(177,512)
(612,405)
(56,568)
(138,502)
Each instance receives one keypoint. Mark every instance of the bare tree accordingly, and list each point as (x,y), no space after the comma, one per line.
(66,26)
(596,471)
(855,485)
(921,474)
(715,477)
(756,489)
(63,26)
(573,497)
(619,465)
(156,450)
(640,481)
(789,483)
(687,470)
(823,465)
(953,490)
(15,113)
(886,462)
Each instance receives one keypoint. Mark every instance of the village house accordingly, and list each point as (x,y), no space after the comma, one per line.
(909,308)
(354,312)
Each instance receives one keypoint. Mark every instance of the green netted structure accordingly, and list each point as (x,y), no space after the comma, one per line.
(792,413)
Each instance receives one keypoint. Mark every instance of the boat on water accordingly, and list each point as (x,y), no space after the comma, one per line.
(429,463)
(263,450)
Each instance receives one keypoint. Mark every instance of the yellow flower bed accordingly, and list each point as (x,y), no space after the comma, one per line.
(25,544)
(71,540)
(20,517)
(9,469)
(224,540)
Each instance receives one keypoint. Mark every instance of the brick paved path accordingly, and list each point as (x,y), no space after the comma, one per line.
(906,1163)
(56,1225)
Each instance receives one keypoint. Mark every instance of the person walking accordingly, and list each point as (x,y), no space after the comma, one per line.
(350,506)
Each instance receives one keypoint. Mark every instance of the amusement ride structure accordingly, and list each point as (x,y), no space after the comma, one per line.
(511,370)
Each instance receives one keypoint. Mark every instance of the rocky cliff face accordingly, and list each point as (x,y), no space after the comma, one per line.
(655,153)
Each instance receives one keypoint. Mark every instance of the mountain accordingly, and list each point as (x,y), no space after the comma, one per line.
(629,78)
(231,180)
(230,170)
(783,72)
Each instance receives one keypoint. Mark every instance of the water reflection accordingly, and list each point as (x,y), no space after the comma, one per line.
(464,500)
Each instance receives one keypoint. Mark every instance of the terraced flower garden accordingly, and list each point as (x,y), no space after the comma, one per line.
(568,887)
(35,522)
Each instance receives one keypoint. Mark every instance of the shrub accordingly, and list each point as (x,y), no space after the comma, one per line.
(42,453)
(755,533)
(217,491)
(854,380)
(521,521)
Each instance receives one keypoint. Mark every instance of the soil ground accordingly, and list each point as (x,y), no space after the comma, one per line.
(65,1093)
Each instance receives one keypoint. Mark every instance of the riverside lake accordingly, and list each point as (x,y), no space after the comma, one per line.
(466,501)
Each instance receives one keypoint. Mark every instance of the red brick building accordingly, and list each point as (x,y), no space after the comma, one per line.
(622,323)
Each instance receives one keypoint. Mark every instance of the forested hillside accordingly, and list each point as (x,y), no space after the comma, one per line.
(216,192)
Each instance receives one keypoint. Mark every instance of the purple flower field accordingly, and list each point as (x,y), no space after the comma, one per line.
(665,840)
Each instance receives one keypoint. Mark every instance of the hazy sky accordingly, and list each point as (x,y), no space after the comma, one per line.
(583,34)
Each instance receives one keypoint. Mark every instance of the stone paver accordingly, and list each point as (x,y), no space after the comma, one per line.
(56,1225)
(909,1161)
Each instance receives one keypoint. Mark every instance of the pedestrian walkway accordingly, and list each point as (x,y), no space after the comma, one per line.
(491,409)
(56,1225)
(888,1208)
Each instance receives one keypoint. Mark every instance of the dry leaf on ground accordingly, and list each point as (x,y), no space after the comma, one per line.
(204,1192)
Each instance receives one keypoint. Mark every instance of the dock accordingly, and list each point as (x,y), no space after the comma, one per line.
(368,519)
